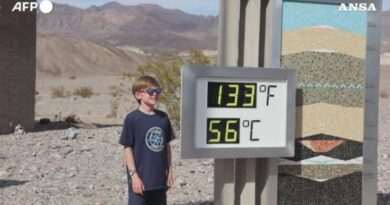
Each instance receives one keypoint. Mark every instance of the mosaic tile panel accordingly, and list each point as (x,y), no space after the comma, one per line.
(320,67)
(320,173)
(348,150)
(327,48)
(333,78)
(321,145)
(344,97)
(330,119)
(299,15)
(321,160)
(342,190)
(322,39)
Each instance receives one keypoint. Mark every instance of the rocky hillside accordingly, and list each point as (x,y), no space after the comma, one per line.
(147,26)
(63,56)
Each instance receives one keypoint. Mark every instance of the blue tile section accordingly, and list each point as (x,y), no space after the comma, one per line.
(298,15)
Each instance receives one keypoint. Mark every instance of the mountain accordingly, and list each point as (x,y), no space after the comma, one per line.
(147,26)
(64,56)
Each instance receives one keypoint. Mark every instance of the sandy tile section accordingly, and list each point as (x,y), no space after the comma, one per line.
(330,119)
(323,39)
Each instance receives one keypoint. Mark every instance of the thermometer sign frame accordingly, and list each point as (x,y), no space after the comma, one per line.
(231,112)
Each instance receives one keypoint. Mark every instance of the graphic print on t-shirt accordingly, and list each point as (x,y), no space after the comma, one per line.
(155,139)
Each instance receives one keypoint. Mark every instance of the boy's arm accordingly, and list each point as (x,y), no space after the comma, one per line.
(169,167)
(136,183)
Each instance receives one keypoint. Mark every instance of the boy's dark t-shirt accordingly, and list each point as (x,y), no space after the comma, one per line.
(148,136)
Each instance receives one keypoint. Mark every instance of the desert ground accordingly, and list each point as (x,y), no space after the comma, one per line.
(45,167)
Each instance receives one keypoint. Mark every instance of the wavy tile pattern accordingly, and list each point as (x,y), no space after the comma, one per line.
(314,85)
(320,173)
(347,150)
(321,160)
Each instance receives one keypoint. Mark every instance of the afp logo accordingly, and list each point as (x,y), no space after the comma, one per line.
(357,7)
(46,6)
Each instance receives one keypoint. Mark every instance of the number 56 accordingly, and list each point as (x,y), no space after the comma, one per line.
(221,131)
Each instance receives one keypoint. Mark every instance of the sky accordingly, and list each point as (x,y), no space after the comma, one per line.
(386,5)
(200,7)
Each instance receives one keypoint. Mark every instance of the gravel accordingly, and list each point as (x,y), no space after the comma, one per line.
(47,168)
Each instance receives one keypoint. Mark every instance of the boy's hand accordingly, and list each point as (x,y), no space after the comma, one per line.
(170,181)
(138,186)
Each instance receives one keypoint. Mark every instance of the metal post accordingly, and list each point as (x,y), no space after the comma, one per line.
(246,172)
(246,29)
(370,145)
(227,56)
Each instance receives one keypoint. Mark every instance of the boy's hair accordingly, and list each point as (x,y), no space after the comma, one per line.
(144,82)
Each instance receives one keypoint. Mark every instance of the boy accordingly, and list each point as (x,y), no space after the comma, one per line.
(146,135)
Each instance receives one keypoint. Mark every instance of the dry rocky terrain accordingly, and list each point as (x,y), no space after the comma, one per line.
(45,167)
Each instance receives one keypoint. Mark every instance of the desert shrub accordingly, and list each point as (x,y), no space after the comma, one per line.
(72,77)
(72,118)
(167,71)
(117,93)
(84,92)
(59,92)
(384,95)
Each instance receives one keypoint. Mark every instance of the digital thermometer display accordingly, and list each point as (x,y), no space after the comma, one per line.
(234,109)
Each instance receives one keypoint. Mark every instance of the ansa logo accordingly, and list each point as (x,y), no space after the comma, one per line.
(46,6)
(357,7)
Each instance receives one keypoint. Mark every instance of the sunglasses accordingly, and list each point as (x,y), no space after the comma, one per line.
(151,91)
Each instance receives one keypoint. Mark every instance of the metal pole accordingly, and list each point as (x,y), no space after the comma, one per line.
(229,12)
(249,35)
